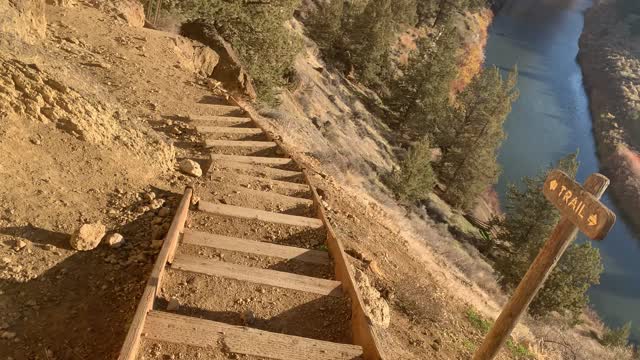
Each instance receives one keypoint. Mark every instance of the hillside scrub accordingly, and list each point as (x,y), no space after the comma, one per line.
(414,179)
(529,221)
(257,32)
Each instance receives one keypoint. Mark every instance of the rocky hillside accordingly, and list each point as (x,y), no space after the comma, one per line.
(610,59)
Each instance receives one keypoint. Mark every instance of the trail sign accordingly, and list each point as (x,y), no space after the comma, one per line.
(580,207)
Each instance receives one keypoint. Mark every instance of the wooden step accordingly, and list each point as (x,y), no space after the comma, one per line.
(269,195)
(272,182)
(186,330)
(256,275)
(227,130)
(214,109)
(199,238)
(252,159)
(247,213)
(264,170)
(228,120)
(243,144)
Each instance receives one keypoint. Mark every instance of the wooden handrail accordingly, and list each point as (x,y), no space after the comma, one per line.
(131,344)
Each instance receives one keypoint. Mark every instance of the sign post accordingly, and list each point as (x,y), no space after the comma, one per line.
(580,209)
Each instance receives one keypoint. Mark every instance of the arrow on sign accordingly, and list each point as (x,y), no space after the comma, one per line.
(553,185)
(593,220)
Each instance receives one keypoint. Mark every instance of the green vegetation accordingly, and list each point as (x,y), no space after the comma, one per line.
(618,337)
(529,220)
(478,321)
(357,37)
(518,350)
(471,134)
(257,32)
(414,179)
(421,95)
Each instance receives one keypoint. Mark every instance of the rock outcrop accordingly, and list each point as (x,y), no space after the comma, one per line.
(376,307)
(33,95)
(229,70)
(610,60)
(195,56)
(22,20)
(131,11)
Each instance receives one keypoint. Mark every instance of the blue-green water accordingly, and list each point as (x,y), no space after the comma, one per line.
(551,119)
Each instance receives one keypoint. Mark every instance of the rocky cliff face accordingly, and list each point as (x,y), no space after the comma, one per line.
(22,20)
(610,60)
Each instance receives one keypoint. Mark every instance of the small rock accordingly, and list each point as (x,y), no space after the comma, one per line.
(20,244)
(156,204)
(88,236)
(115,240)
(248,318)
(150,196)
(49,247)
(36,141)
(165,211)
(156,244)
(173,305)
(8,335)
(190,167)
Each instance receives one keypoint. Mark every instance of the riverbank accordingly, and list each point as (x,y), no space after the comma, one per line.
(610,59)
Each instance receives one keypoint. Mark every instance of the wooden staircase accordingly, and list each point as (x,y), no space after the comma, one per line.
(272,229)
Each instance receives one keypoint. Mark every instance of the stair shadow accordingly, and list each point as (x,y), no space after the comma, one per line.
(85,293)
(326,318)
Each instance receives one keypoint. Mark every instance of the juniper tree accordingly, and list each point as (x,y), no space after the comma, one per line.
(325,26)
(529,221)
(369,40)
(420,95)
(470,135)
(414,180)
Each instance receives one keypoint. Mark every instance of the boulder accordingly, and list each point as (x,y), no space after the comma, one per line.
(190,167)
(22,20)
(229,70)
(195,57)
(88,236)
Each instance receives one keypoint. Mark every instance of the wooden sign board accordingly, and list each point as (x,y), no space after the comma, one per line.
(578,206)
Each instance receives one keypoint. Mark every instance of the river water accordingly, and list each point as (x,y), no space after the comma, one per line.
(551,119)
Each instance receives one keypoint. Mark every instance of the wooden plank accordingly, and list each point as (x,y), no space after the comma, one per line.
(228,120)
(252,159)
(551,251)
(362,332)
(199,238)
(271,182)
(580,207)
(255,275)
(186,330)
(264,170)
(248,213)
(216,109)
(274,196)
(243,144)
(131,343)
(227,130)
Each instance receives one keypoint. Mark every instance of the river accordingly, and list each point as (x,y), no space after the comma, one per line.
(551,119)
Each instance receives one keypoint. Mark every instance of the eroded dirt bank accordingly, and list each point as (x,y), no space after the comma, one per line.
(610,60)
